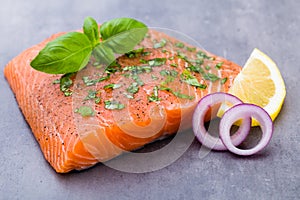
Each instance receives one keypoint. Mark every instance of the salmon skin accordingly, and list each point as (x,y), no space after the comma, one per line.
(148,94)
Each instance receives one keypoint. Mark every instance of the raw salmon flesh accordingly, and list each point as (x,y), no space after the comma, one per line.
(148,95)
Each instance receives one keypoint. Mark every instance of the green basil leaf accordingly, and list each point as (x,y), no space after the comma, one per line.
(91,30)
(119,25)
(122,34)
(66,54)
(103,54)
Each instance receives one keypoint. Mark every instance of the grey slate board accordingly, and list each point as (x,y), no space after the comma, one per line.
(227,28)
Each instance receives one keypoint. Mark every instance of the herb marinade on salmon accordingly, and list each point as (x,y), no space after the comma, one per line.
(101,114)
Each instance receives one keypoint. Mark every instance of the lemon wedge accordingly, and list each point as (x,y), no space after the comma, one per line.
(259,83)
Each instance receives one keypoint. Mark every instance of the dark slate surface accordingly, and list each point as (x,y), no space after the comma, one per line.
(227,28)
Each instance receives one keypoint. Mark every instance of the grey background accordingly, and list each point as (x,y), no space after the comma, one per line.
(227,28)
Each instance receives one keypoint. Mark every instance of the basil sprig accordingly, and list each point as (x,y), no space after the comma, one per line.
(71,52)
(66,54)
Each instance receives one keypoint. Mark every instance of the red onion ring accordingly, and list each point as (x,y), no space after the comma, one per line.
(198,121)
(243,111)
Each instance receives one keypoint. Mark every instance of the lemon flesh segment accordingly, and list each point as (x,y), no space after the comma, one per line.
(260,83)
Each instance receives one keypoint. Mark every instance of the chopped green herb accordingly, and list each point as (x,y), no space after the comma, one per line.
(88,82)
(183,96)
(168,79)
(196,68)
(133,88)
(223,81)
(65,84)
(160,44)
(145,53)
(211,77)
(154,62)
(169,74)
(138,69)
(165,88)
(146,69)
(154,97)
(207,67)
(97,100)
(137,79)
(201,54)
(157,62)
(177,94)
(85,111)
(171,58)
(113,105)
(154,77)
(56,81)
(179,44)
(134,53)
(91,95)
(126,75)
(112,86)
(143,61)
(113,67)
(187,77)
(182,55)
(166,72)
(219,65)
(191,49)
(199,61)
(173,65)
(129,96)
(164,51)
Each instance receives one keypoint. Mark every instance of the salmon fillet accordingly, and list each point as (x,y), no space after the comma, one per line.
(70,141)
